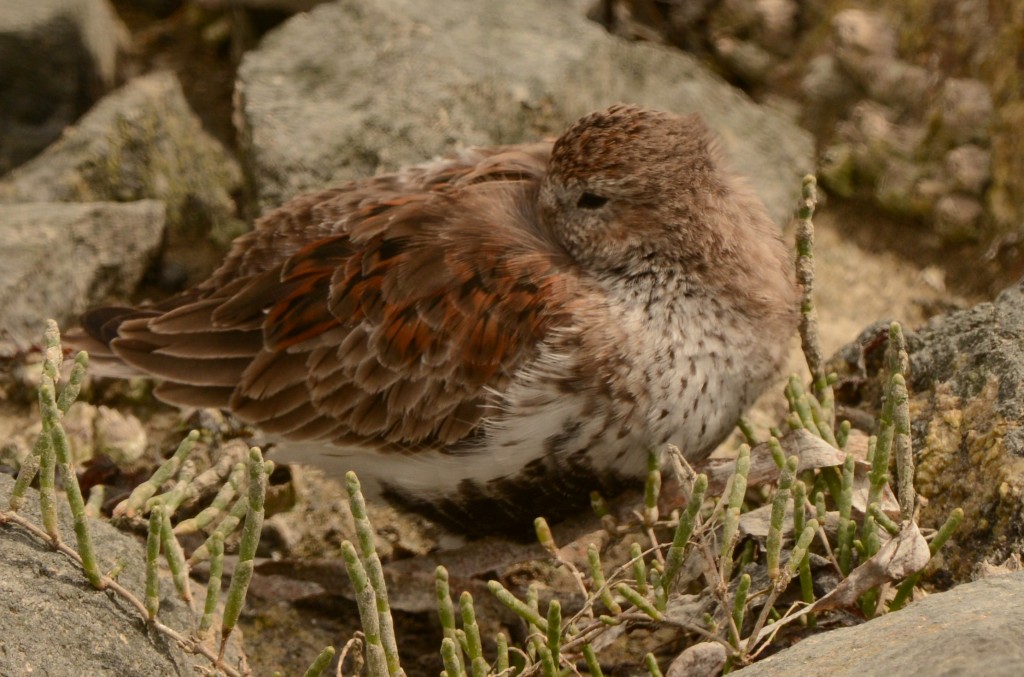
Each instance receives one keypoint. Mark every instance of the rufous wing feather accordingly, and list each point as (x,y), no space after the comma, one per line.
(383,310)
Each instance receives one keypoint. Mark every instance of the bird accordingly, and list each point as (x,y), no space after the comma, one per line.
(489,336)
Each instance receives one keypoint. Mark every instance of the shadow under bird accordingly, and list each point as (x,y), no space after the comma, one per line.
(487,337)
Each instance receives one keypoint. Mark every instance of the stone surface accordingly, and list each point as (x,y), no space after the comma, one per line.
(962,112)
(970,168)
(860,35)
(957,216)
(825,81)
(415,80)
(56,58)
(943,171)
(119,436)
(52,622)
(967,381)
(58,259)
(747,38)
(970,630)
(967,423)
(700,660)
(902,143)
(141,142)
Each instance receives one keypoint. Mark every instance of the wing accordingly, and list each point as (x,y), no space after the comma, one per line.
(392,309)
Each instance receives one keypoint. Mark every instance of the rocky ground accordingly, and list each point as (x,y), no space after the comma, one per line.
(138,138)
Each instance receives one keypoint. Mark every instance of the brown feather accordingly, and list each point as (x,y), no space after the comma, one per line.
(196,372)
(194,396)
(268,373)
(271,406)
(211,345)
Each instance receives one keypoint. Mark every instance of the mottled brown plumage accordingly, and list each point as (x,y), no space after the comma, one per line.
(499,330)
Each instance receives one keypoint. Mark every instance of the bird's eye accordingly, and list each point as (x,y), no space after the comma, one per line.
(591,201)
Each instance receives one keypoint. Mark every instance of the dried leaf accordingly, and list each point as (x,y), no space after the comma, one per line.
(812,451)
(901,556)
(905,554)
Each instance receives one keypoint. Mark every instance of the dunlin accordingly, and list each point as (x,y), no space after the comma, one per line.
(487,337)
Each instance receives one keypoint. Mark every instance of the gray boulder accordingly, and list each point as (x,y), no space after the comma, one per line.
(143,142)
(54,623)
(967,423)
(967,373)
(56,58)
(58,259)
(973,629)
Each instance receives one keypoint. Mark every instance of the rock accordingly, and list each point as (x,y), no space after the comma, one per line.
(746,59)
(876,138)
(895,82)
(56,58)
(861,34)
(898,189)
(825,83)
(972,629)
(776,24)
(969,167)
(120,437)
(958,217)
(79,425)
(58,259)
(968,412)
(143,141)
(967,423)
(705,659)
(767,24)
(944,174)
(837,169)
(948,70)
(913,189)
(54,623)
(416,80)
(685,25)
(748,38)
(962,112)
